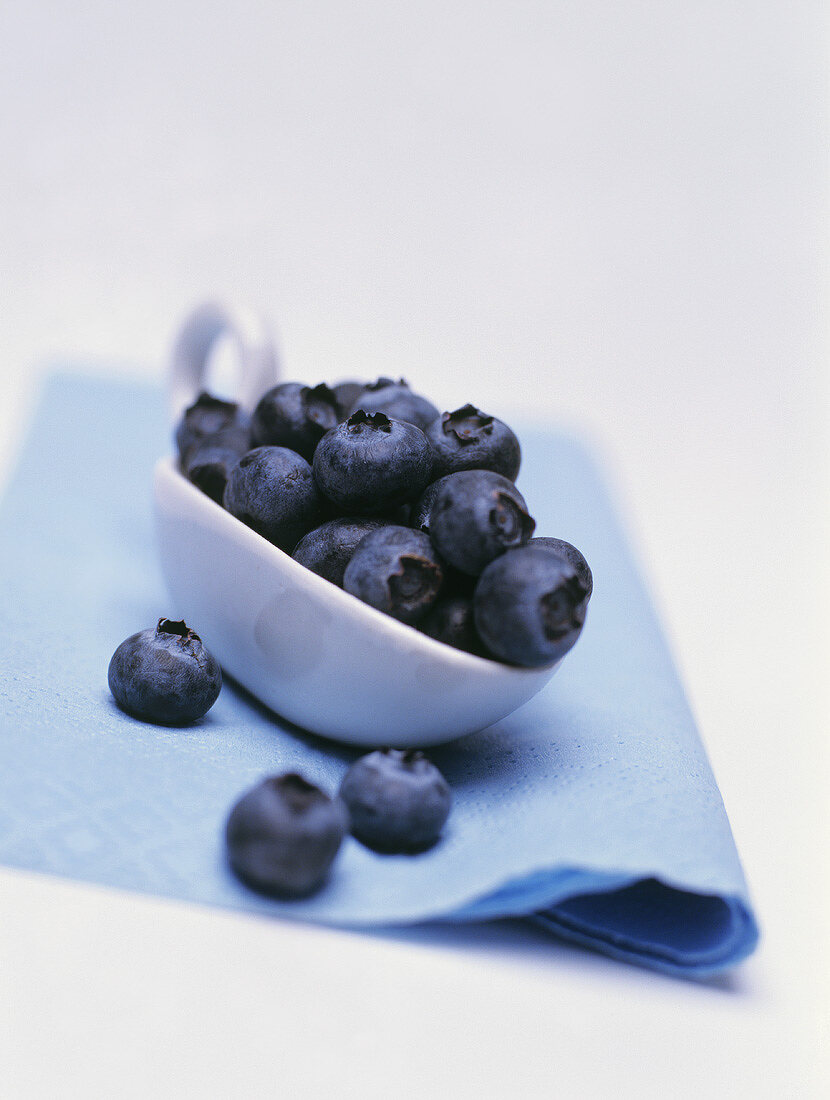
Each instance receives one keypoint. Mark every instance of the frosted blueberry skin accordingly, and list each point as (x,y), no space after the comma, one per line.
(529,607)
(208,461)
(272,490)
(469,439)
(207,416)
(576,558)
(398,801)
(295,416)
(476,516)
(328,549)
(452,621)
(398,401)
(395,570)
(282,836)
(164,675)
(371,463)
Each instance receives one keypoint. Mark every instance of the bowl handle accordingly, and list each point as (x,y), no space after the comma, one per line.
(258,362)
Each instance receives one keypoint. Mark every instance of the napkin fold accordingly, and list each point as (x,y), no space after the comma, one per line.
(592,810)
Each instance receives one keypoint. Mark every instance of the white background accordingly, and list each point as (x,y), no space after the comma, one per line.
(607,214)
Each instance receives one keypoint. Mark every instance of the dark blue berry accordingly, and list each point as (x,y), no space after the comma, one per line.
(164,675)
(452,622)
(529,606)
(328,549)
(398,401)
(282,836)
(469,439)
(208,461)
(272,490)
(397,801)
(207,416)
(295,416)
(371,463)
(346,393)
(577,559)
(477,515)
(395,569)
(422,508)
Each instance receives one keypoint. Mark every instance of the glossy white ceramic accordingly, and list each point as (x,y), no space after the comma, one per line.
(310,651)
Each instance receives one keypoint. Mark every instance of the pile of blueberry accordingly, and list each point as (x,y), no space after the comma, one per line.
(413,511)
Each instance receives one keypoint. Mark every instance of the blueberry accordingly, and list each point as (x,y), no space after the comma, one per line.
(209,460)
(577,559)
(272,490)
(346,393)
(207,416)
(477,515)
(164,675)
(395,569)
(295,416)
(371,463)
(422,508)
(282,836)
(398,801)
(529,606)
(469,439)
(452,622)
(398,401)
(328,549)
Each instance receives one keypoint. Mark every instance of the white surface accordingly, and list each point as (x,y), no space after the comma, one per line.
(606,213)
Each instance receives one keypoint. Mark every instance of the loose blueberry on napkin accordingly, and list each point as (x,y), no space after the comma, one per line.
(165,675)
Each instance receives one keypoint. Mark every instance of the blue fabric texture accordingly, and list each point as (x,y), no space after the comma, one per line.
(592,810)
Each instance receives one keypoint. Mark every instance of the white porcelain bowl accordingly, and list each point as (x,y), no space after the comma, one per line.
(310,651)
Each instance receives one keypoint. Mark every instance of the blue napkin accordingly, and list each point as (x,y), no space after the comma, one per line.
(592,810)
